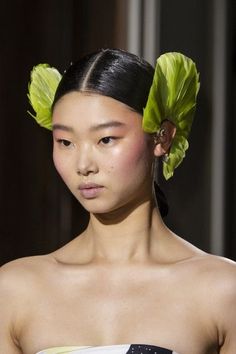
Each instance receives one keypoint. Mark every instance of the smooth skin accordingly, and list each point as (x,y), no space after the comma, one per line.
(127,278)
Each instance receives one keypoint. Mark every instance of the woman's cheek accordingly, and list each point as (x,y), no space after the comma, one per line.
(133,156)
(59,164)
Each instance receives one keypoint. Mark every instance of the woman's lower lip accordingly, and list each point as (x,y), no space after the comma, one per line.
(90,193)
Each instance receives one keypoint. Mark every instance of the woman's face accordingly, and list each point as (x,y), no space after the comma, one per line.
(101,152)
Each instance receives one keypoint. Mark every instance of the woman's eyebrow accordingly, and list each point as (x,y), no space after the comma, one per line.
(62,127)
(96,127)
(110,124)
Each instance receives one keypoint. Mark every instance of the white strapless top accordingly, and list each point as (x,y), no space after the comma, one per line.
(109,349)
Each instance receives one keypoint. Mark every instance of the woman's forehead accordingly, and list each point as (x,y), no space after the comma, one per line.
(94,111)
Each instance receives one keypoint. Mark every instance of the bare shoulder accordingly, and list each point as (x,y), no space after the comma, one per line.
(218,270)
(20,280)
(220,273)
(19,275)
(210,273)
(212,284)
(220,286)
(214,280)
(206,263)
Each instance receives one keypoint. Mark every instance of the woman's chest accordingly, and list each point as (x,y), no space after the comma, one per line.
(146,314)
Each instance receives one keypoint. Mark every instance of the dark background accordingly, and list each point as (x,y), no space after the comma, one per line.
(37,212)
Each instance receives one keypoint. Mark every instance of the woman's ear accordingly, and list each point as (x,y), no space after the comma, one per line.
(164,138)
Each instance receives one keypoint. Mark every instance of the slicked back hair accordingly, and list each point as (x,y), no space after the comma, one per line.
(110,72)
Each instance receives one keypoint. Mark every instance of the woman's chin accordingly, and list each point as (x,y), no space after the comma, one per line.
(111,212)
(102,207)
(97,207)
(113,208)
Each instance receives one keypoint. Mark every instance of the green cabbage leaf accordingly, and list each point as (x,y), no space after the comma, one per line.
(41,92)
(173,97)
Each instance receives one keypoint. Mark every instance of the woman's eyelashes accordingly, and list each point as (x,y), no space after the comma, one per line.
(104,141)
(108,140)
(65,143)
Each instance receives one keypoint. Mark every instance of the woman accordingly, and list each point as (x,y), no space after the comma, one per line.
(127,284)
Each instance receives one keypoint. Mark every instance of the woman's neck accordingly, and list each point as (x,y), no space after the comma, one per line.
(117,237)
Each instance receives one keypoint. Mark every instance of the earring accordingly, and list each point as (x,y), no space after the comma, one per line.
(157,140)
(162,132)
(159,135)
(165,157)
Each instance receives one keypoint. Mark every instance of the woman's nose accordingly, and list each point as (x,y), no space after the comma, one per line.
(86,163)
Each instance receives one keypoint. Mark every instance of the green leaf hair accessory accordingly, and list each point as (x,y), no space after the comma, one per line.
(42,89)
(172,97)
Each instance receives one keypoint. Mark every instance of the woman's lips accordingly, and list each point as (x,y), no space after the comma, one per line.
(90,190)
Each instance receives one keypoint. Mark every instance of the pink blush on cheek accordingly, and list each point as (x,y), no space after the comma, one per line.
(137,154)
(137,151)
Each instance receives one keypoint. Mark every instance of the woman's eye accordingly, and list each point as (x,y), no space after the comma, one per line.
(107,140)
(64,142)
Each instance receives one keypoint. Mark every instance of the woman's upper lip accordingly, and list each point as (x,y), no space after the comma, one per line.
(89,185)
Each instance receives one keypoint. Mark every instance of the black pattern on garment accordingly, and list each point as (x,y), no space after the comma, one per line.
(147,349)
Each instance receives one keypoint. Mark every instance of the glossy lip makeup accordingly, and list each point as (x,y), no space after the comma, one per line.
(90,190)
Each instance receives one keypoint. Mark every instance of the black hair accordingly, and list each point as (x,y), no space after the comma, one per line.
(110,72)
(117,74)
